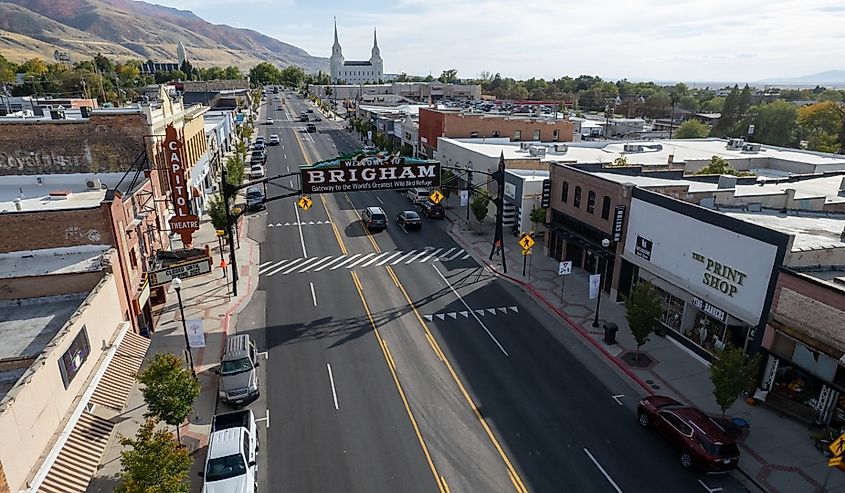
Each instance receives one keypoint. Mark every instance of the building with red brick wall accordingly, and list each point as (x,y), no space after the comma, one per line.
(436,123)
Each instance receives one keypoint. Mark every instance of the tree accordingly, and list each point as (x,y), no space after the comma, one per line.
(820,124)
(642,309)
(169,390)
(293,76)
(233,73)
(235,173)
(156,463)
(479,206)
(775,123)
(620,162)
(720,166)
(217,211)
(691,129)
(264,73)
(732,374)
(537,215)
(449,76)
(188,69)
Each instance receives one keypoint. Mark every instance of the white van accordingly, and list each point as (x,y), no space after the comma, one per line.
(418,195)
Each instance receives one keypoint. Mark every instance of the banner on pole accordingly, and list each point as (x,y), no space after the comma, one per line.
(464,197)
(595,285)
(196,336)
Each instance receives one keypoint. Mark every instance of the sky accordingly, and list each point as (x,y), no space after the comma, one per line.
(701,40)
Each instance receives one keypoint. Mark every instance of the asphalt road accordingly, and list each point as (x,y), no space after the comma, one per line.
(396,363)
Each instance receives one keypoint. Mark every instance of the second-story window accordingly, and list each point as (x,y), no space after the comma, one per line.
(535,135)
(577,200)
(605,208)
(555,135)
(564,192)
(517,134)
(473,134)
(591,202)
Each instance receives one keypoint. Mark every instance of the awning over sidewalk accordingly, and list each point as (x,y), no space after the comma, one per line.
(81,453)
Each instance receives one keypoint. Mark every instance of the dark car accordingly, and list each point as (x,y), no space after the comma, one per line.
(259,145)
(258,156)
(374,218)
(702,442)
(303,118)
(309,111)
(409,220)
(317,119)
(431,210)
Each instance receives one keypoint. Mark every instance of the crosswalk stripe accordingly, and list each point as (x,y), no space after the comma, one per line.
(403,257)
(318,263)
(318,269)
(377,257)
(432,255)
(304,266)
(466,256)
(288,264)
(262,264)
(388,258)
(453,257)
(416,256)
(345,261)
(309,260)
(365,257)
(441,257)
(262,270)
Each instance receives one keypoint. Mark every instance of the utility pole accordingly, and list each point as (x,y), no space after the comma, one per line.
(498,236)
(469,191)
(225,189)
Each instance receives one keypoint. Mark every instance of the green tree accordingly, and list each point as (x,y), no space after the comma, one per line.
(34,66)
(820,124)
(188,69)
(154,463)
(235,173)
(537,216)
(830,95)
(449,76)
(732,374)
(479,206)
(293,76)
(233,73)
(775,123)
(169,389)
(720,166)
(217,210)
(713,105)
(264,73)
(7,70)
(643,307)
(691,129)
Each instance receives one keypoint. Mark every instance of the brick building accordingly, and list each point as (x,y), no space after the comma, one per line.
(455,124)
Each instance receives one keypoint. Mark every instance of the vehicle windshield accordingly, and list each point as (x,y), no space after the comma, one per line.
(225,467)
(718,449)
(411,215)
(236,366)
(253,195)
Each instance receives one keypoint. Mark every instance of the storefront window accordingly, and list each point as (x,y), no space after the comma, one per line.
(673,311)
(796,385)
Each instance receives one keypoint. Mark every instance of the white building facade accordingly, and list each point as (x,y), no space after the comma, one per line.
(356,71)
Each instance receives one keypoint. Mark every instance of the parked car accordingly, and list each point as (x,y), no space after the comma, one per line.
(431,210)
(256,171)
(259,145)
(702,442)
(238,370)
(317,119)
(258,156)
(309,111)
(260,138)
(417,195)
(255,198)
(274,140)
(269,121)
(409,220)
(231,460)
(374,218)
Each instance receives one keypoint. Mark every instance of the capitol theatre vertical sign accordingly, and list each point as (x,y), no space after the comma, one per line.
(184,223)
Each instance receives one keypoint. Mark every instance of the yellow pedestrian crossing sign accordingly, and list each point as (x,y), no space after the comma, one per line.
(436,197)
(838,445)
(526,251)
(305,203)
(526,242)
(834,461)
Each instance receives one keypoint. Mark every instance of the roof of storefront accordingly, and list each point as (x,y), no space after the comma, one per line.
(69,191)
(66,260)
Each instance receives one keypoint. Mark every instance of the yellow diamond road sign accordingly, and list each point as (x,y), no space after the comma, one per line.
(305,203)
(526,242)
(838,445)
(436,197)
(834,461)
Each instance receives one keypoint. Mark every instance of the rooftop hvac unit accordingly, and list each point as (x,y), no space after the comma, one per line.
(93,184)
(753,148)
(561,148)
(633,148)
(537,151)
(523,146)
(735,143)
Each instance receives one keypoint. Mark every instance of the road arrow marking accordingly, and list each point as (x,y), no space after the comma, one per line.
(617,398)
(453,315)
(428,317)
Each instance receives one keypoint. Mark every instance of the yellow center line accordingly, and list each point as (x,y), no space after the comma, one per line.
(334,226)
(391,367)
(515,478)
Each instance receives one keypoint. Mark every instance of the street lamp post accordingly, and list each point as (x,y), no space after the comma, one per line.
(177,286)
(604,243)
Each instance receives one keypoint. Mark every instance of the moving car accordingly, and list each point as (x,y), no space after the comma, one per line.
(303,118)
(417,195)
(309,111)
(238,369)
(317,119)
(255,199)
(409,220)
(230,464)
(311,128)
(269,121)
(374,218)
(702,442)
(431,210)
(256,171)
(274,140)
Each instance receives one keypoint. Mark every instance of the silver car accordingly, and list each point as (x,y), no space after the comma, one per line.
(238,373)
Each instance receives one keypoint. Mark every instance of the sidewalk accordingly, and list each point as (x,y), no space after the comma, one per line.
(206,297)
(778,455)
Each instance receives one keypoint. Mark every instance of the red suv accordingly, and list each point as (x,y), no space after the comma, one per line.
(703,443)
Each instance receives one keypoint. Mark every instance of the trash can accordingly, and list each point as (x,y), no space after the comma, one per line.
(610,329)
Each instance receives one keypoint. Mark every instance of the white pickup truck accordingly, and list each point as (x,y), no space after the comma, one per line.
(230,466)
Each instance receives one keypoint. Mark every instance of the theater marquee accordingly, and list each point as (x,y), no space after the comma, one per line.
(362,173)
(183,223)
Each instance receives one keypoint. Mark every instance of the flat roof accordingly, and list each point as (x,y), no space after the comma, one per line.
(809,232)
(66,260)
(70,191)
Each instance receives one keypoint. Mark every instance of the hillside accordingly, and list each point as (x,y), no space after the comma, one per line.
(134,29)
(830,77)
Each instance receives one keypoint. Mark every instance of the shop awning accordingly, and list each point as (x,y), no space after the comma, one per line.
(80,455)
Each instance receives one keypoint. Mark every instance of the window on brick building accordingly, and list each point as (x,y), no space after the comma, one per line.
(564,192)
(605,208)
(535,135)
(577,200)
(133,259)
(473,134)
(555,135)
(591,202)
(517,134)
(495,133)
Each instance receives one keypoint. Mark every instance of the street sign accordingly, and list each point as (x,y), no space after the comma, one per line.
(838,445)
(564,268)
(436,197)
(526,241)
(305,203)
(526,251)
(221,232)
(834,461)
(464,197)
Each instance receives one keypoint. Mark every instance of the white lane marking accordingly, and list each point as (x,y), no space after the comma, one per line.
(379,200)
(709,489)
(432,255)
(286,156)
(617,398)
(606,475)
(309,260)
(365,257)
(265,418)
(291,183)
(313,294)
(470,310)
(288,168)
(265,354)
(299,223)
(345,261)
(262,264)
(334,393)
(466,256)
(289,264)
(376,258)
(444,255)
(389,258)
(416,256)
(403,257)
(323,260)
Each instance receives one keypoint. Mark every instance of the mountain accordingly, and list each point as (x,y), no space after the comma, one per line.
(831,77)
(133,29)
